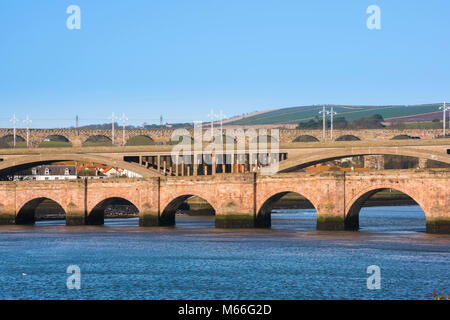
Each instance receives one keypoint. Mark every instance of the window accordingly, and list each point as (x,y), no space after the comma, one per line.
(66,171)
(33,171)
(47,171)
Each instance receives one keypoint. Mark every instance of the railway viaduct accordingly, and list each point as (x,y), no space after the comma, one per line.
(78,136)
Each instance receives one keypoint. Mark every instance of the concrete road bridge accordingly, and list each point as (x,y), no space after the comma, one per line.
(240,200)
(151,161)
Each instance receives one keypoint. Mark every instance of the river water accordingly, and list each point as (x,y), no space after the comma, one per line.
(196,261)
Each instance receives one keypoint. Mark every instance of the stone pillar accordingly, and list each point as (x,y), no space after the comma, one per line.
(331,206)
(374,162)
(158,163)
(7,214)
(422,163)
(238,210)
(438,216)
(148,217)
(213,164)
(195,168)
(75,215)
(232,217)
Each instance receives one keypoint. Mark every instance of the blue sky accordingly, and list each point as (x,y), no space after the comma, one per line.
(180,59)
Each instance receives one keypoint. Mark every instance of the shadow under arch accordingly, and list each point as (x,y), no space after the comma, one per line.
(27,214)
(7,141)
(181,140)
(348,137)
(140,140)
(306,138)
(263,216)
(97,141)
(97,215)
(55,141)
(167,217)
(351,221)
(404,137)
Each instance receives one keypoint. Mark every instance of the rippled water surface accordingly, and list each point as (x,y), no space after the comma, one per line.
(196,261)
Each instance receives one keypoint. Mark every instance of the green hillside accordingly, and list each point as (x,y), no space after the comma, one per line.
(304,113)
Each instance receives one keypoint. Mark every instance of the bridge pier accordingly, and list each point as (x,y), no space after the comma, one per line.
(330,207)
(149,219)
(235,220)
(7,218)
(438,219)
(438,226)
(374,162)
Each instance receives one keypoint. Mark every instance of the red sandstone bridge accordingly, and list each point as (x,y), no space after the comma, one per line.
(239,195)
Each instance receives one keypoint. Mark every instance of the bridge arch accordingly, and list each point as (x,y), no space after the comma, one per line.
(97,215)
(140,140)
(348,137)
(27,211)
(9,138)
(33,160)
(404,137)
(55,140)
(351,221)
(305,138)
(300,161)
(97,140)
(263,216)
(167,216)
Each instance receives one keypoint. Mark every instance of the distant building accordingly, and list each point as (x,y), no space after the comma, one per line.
(48,172)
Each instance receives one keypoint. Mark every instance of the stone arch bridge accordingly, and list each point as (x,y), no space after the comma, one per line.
(162,136)
(239,200)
